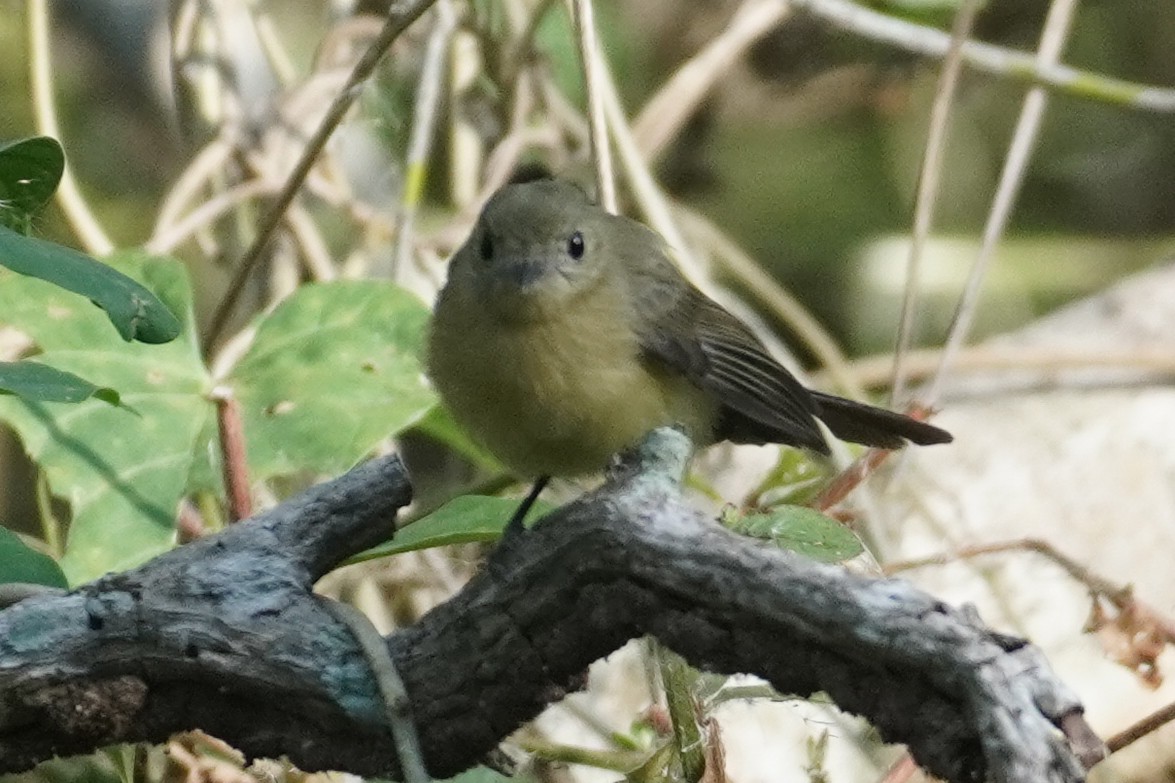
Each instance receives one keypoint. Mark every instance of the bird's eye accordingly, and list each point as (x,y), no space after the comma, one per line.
(575,246)
(487,246)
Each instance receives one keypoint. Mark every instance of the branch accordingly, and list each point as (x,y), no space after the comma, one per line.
(225,634)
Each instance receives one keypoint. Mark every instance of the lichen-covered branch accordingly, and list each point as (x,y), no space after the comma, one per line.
(225,635)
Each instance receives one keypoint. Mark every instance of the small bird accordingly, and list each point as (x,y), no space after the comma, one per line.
(565,333)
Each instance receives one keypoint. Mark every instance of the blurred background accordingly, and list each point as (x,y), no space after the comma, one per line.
(807,154)
(181,120)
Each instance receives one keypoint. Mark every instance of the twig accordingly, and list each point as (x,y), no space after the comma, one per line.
(849,479)
(928,181)
(314,251)
(178,232)
(644,186)
(1147,725)
(1052,41)
(397,707)
(1006,63)
(1119,596)
(207,162)
(666,112)
(593,78)
(234,460)
(877,371)
(779,301)
(69,196)
(398,21)
(420,140)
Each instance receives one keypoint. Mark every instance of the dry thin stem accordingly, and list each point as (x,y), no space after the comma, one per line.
(929,178)
(648,194)
(232,453)
(206,164)
(89,231)
(1142,728)
(876,371)
(593,77)
(397,22)
(1121,597)
(1005,63)
(666,112)
(1052,41)
(316,256)
(778,300)
(424,120)
(165,241)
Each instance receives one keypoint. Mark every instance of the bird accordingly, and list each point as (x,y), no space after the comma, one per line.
(564,333)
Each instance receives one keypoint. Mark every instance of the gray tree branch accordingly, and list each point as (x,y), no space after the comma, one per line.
(225,634)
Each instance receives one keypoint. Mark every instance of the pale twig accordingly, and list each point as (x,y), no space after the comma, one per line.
(667,111)
(593,77)
(1006,63)
(648,194)
(1056,29)
(397,22)
(929,177)
(520,51)
(176,233)
(779,301)
(420,140)
(207,162)
(315,254)
(1121,597)
(876,371)
(89,231)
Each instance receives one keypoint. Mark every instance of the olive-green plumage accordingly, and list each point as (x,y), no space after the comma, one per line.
(565,333)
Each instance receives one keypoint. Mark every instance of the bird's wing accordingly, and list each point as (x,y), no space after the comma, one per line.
(761,401)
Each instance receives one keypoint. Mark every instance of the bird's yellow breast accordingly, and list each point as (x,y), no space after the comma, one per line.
(557,395)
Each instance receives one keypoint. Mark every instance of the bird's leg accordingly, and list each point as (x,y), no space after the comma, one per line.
(514,526)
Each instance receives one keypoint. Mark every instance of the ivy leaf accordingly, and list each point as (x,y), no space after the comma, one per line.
(334,370)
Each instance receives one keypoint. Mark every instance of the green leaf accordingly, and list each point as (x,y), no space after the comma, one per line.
(123,475)
(463,520)
(21,563)
(136,313)
(801,530)
(34,381)
(29,172)
(333,370)
(439,425)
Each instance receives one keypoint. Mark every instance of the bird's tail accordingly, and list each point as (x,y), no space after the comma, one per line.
(872,426)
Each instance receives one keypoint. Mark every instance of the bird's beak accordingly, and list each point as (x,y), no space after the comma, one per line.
(524,273)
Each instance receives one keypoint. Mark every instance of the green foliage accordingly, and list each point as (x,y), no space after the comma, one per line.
(463,520)
(798,529)
(135,312)
(21,563)
(35,381)
(29,172)
(122,472)
(333,370)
